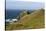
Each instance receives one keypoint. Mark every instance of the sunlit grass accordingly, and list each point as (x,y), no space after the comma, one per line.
(29,21)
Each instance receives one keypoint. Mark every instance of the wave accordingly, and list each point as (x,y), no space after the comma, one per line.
(11,20)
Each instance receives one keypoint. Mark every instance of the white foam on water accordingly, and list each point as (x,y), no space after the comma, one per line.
(11,20)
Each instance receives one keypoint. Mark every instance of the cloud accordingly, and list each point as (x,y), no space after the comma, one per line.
(27,0)
(23,5)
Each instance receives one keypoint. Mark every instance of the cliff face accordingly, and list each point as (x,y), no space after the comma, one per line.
(34,20)
(23,13)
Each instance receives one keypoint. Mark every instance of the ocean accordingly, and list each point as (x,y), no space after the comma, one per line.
(12,14)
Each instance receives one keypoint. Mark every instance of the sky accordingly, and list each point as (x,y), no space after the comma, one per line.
(12,4)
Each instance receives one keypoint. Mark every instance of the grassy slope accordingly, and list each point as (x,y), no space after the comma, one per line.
(34,20)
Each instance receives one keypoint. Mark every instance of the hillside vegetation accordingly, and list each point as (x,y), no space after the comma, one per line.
(35,20)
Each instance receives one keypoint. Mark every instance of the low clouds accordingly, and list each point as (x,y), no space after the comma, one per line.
(11,4)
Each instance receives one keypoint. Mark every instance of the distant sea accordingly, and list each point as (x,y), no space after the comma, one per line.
(12,14)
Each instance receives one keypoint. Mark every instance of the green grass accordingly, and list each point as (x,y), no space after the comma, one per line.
(31,21)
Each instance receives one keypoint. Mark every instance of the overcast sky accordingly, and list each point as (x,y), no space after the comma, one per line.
(12,4)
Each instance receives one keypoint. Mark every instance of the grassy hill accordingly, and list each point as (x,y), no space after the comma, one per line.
(34,20)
